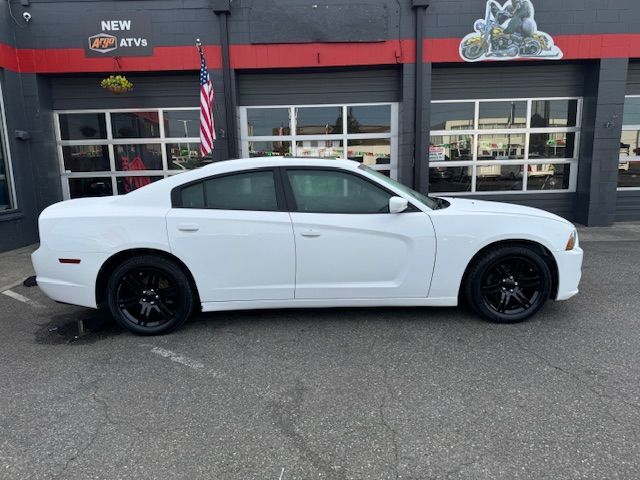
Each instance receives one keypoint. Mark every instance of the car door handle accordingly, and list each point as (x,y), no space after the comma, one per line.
(188,227)
(310,233)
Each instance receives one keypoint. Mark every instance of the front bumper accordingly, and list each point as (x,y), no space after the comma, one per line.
(569,272)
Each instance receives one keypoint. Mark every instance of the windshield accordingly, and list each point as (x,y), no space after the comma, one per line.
(429,202)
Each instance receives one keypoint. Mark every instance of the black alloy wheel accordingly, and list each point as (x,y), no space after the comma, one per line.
(508,284)
(150,295)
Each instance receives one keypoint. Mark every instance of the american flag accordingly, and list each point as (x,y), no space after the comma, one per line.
(207,98)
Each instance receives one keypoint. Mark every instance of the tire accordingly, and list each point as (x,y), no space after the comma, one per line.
(472,51)
(508,284)
(150,295)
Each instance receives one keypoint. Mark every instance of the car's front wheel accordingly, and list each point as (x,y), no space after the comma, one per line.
(150,295)
(508,284)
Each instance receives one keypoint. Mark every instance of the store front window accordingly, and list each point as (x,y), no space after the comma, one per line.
(366,133)
(629,160)
(107,152)
(510,146)
(6,186)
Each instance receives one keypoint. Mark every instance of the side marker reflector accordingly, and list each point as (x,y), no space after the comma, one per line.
(69,260)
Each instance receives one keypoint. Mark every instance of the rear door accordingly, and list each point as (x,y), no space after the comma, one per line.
(348,245)
(233,233)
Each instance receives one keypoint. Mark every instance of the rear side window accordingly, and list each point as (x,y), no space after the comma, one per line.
(330,191)
(193,196)
(242,191)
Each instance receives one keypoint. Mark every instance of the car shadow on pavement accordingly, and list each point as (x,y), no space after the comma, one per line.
(324,316)
(78,326)
(83,326)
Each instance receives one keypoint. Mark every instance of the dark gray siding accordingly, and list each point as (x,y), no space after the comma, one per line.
(633,78)
(19,227)
(81,92)
(328,86)
(562,204)
(598,167)
(507,81)
(627,205)
(59,23)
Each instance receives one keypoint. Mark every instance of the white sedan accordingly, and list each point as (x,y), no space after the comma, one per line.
(279,233)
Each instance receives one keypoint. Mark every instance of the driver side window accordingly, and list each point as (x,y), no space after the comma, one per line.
(332,191)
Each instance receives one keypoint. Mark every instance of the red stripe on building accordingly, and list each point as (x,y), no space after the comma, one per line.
(8,58)
(574,47)
(71,60)
(436,50)
(321,54)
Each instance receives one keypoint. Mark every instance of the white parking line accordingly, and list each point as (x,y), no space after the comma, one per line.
(22,298)
(176,357)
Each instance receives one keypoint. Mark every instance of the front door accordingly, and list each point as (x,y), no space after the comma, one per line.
(349,246)
(233,236)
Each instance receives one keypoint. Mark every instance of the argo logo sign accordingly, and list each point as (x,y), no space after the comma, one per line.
(102,43)
(118,35)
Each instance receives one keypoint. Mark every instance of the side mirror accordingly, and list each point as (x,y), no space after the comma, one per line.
(397,204)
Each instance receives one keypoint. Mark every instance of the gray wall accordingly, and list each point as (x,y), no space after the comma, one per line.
(58,23)
(318,86)
(600,146)
(23,112)
(496,80)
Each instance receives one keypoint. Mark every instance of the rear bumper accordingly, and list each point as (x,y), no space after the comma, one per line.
(569,272)
(64,282)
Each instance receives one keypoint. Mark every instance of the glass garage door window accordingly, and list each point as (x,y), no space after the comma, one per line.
(366,133)
(114,152)
(504,146)
(629,159)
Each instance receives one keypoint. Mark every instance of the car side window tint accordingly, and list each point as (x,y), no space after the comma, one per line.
(331,191)
(193,196)
(242,191)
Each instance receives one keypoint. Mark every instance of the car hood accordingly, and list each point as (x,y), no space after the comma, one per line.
(483,206)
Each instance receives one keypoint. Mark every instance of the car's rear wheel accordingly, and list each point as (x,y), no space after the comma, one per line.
(149,295)
(508,284)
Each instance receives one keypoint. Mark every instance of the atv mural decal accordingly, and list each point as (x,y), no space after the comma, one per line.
(506,32)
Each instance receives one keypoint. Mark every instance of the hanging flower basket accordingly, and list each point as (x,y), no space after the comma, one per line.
(116,84)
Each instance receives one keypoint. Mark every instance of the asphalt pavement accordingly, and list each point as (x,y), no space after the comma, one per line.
(401,393)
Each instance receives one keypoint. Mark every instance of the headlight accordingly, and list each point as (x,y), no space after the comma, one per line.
(572,240)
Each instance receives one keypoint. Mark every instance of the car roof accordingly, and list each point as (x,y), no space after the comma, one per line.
(256,162)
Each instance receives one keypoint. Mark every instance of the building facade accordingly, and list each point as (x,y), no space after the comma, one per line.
(535,102)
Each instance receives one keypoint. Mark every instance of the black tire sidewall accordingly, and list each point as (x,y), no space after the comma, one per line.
(473,287)
(170,269)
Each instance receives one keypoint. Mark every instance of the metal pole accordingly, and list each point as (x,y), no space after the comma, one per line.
(222,8)
(229,103)
(419,156)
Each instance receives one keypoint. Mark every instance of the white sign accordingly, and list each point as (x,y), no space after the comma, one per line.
(436,154)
